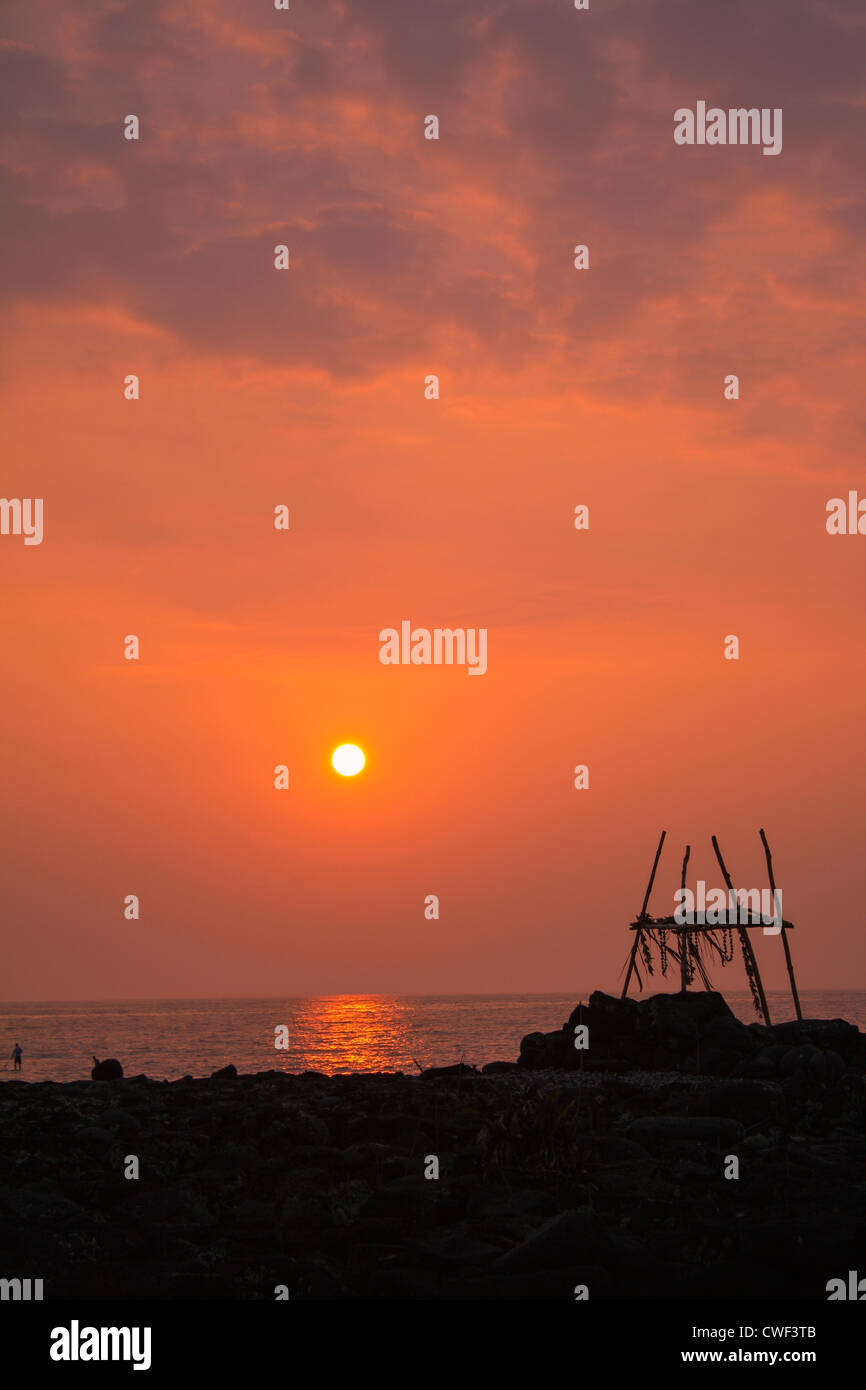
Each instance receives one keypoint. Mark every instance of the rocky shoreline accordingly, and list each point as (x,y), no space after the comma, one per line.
(602,1167)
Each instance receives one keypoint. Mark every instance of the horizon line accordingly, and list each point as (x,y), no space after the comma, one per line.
(392,994)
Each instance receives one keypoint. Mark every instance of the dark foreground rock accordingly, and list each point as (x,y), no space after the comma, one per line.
(109,1070)
(694,1033)
(546,1181)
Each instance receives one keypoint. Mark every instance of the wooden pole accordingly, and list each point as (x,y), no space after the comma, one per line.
(684,935)
(745,944)
(637,935)
(788,961)
(649,887)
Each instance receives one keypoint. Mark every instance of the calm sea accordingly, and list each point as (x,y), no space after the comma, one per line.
(168,1038)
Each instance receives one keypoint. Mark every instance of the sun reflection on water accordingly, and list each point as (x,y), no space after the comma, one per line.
(351,1032)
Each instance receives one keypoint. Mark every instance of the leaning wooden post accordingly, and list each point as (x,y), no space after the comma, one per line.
(637,935)
(652,877)
(788,961)
(752,970)
(684,936)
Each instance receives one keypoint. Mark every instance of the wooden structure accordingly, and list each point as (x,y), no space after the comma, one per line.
(692,945)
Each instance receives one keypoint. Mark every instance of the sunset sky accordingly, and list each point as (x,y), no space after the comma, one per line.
(305,387)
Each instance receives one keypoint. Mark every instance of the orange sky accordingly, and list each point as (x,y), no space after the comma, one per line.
(305,387)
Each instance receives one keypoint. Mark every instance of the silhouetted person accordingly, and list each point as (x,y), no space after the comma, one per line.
(17,1054)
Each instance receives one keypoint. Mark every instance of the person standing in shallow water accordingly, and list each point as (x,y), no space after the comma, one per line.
(17,1054)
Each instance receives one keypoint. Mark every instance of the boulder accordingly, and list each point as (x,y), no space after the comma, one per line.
(796,1058)
(109,1070)
(750,1102)
(606,1017)
(687,1016)
(715,1061)
(571,1238)
(760,1068)
(704,1129)
(730,1034)
(764,1035)
(827,1067)
(832,1033)
(228,1073)
(95,1137)
(692,1032)
(305,1128)
(539,1051)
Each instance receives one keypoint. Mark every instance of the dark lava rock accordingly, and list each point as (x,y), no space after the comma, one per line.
(547,1181)
(304,1128)
(229,1073)
(606,1017)
(109,1070)
(750,1102)
(523,1206)
(694,1033)
(611,1149)
(94,1137)
(571,1238)
(731,1034)
(123,1122)
(760,1068)
(832,1033)
(687,1016)
(828,1065)
(664,1032)
(796,1058)
(455,1247)
(459,1069)
(707,1129)
(540,1051)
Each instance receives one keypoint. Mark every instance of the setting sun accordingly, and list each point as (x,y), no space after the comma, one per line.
(347,759)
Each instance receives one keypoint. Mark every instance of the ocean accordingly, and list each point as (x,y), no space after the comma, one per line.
(169,1038)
